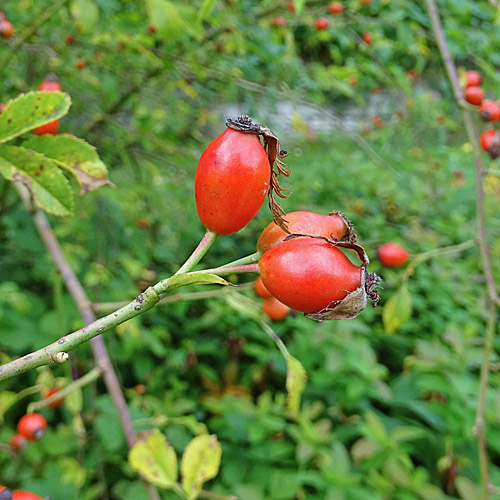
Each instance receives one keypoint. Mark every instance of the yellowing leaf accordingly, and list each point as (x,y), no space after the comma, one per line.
(296,378)
(155,459)
(40,175)
(75,155)
(397,310)
(31,110)
(85,13)
(200,463)
(467,489)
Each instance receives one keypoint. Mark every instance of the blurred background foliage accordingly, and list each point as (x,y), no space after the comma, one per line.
(384,417)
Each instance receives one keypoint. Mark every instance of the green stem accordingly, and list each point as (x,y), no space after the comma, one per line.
(89,377)
(224,270)
(206,242)
(277,340)
(249,259)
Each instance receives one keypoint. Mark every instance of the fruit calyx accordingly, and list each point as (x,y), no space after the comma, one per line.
(274,153)
(354,302)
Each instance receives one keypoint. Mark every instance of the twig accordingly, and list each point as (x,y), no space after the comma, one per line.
(85,307)
(472,137)
(40,19)
(89,377)
(479,425)
(494,299)
(206,242)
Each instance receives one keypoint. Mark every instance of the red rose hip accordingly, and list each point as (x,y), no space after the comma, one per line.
(274,309)
(474,95)
(489,111)
(32,426)
(232,181)
(335,225)
(473,78)
(392,255)
(309,274)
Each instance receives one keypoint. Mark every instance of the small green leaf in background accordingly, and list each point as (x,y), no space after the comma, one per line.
(85,14)
(397,310)
(76,155)
(206,9)
(467,489)
(7,399)
(40,175)
(74,401)
(196,279)
(295,383)
(155,459)
(31,110)
(200,462)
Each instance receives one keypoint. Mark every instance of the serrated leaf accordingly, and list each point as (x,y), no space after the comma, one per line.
(467,489)
(397,310)
(40,175)
(32,110)
(76,155)
(85,14)
(200,463)
(296,379)
(155,459)
(179,280)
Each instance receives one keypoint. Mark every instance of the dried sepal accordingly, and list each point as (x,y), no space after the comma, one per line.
(274,153)
(350,235)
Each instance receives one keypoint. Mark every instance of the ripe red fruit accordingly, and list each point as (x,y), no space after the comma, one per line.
(32,426)
(69,38)
(367,37)
(25,495)
(2,107)
(330,226)
(274,309)
(80,64)
(412,74)
(291,7)
(308,274)
(473,78)
(50,84)
(474,95)
(353,81)
(278,21)
(260,289)
(392,255)
(5,493)
(151,29)
(232,181)
(17,442)
(335,8)
(489,111)
(57,402)
(321,24)
(48,128)
(6,28)
(490,142)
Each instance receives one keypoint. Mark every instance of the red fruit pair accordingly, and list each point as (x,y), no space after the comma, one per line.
(271,307)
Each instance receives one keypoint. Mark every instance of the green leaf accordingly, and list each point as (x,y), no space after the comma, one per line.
(74,401)
(296,378)
(196,279)
(200,462)
(40,175)
(7,399)
(76,155)
(155,459)
(467,489)
(32,110)
(85,14)
(398,309)
(206,9)
(299,5)
(171,21)
(363,449)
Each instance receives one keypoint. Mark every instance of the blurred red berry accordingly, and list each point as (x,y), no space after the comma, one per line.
(474,95)
(321,24)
